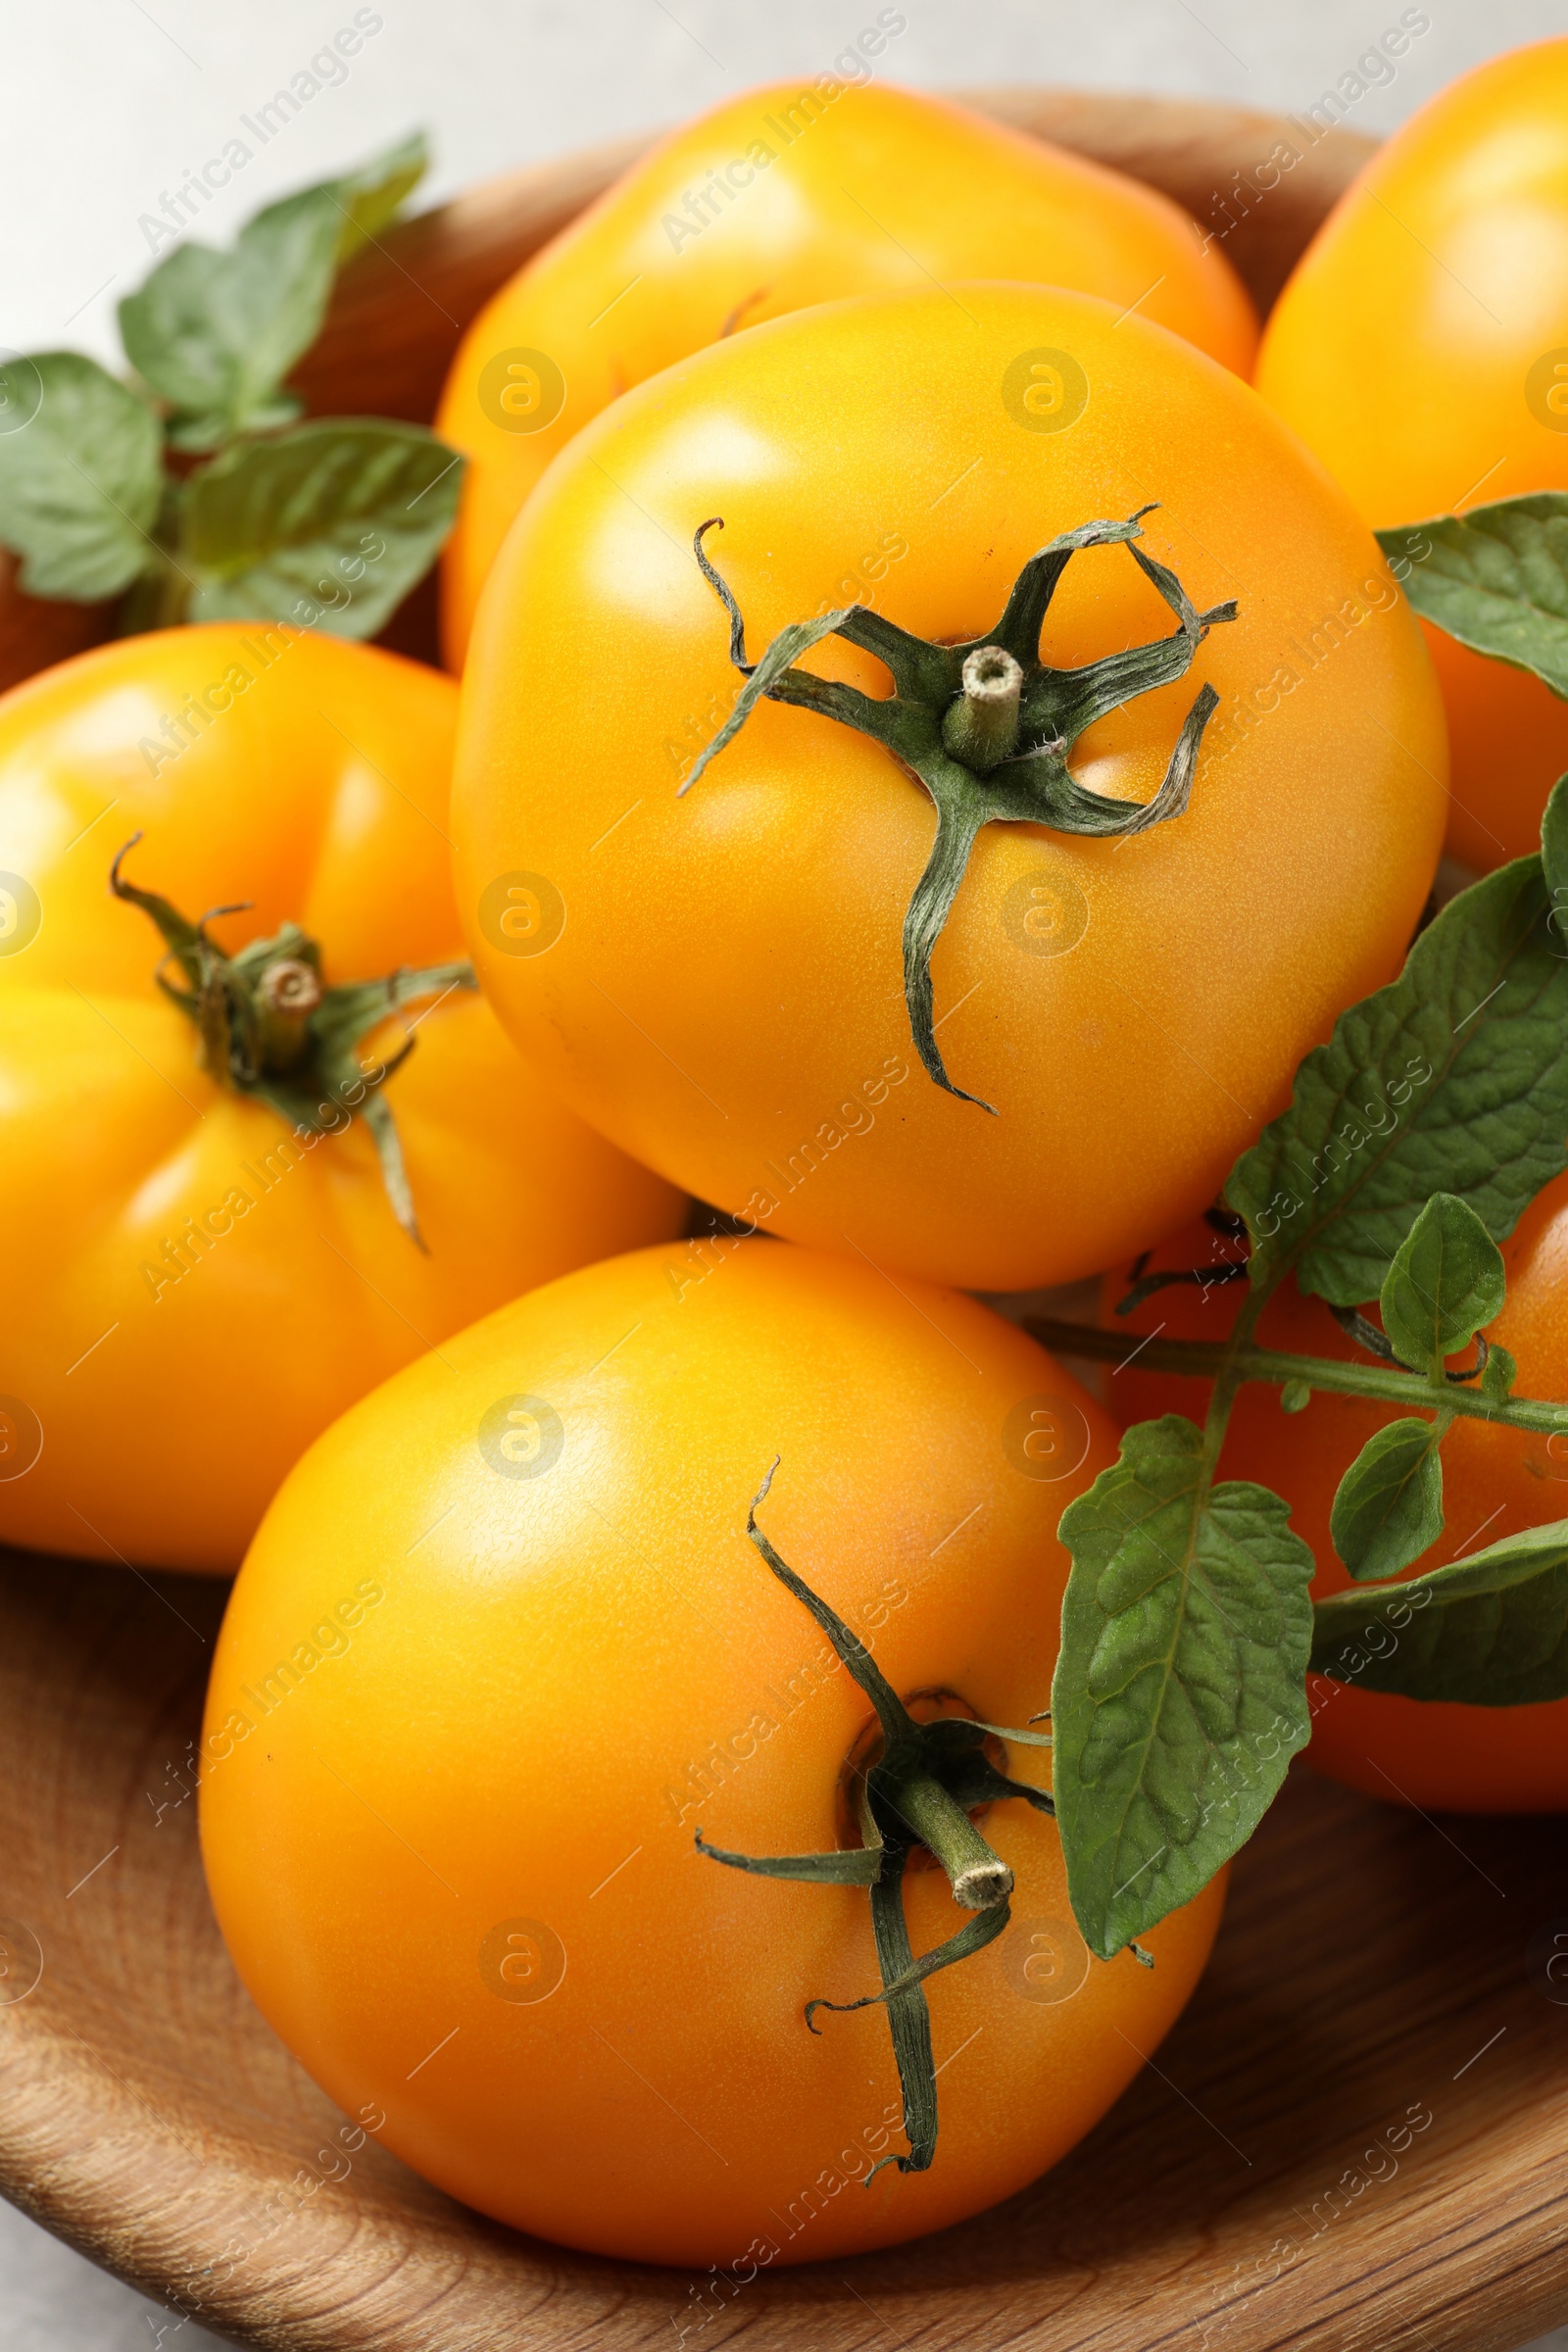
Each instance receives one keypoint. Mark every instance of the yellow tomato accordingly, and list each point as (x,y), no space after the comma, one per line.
(781,198)
(1421,350)
(714,981)
(196,1287)
(501,1648)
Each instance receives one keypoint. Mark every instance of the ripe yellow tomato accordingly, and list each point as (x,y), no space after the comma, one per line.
(195,1288)
(785,197)
(501,1648)
(1496,1483)
(1421,350)
(713,980)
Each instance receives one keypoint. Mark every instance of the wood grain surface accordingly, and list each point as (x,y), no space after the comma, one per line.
(402,303)
(1356,2139)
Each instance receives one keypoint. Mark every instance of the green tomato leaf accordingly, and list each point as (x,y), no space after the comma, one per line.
(1452,1079)
(1499,1374)
(80,477)
(329,524)
(215,333)
(1389,1504)
(1495,578)
(1490,1631)
(1447,1280)
(371,197)
(1179,1695)
(1554,863)
(1554,851)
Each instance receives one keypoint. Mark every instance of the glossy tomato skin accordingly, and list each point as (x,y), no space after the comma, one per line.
(1413,349)
(192,1291)
(722,995)
(861,191)
(556,1670)
(1496,1483)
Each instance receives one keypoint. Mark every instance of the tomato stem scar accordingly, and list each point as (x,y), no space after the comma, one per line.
(270,1028)
(920,1791)
(980,725)
(985,726)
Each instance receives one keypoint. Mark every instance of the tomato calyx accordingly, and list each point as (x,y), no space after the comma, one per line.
(985,725)
(919,1792)
(268,1026)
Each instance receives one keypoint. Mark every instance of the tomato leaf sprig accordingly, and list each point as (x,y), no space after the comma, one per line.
(918,1791)
(1415,1139)
(328,523)
(213,334)
(986,727)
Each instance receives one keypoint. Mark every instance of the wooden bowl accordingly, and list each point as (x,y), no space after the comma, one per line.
(1356,2137)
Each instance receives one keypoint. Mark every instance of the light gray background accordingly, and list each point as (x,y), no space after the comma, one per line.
(108,104)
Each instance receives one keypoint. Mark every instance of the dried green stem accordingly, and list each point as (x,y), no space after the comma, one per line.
(979,1878)
(980,727)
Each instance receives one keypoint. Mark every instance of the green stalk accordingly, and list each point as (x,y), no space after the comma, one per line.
(980,726)
(1228,1377)
(1212,1359)
(979,1877)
